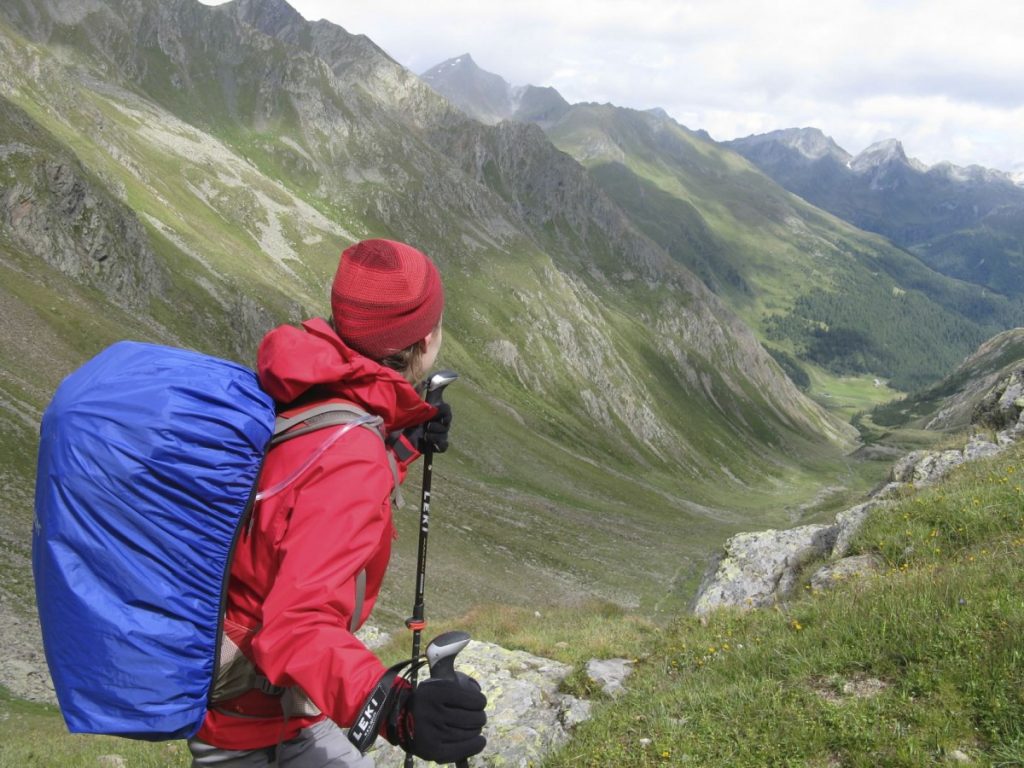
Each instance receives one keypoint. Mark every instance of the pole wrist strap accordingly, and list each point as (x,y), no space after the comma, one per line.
(364,731)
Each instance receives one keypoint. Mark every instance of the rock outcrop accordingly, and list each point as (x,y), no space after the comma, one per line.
(52,207)
(610,674)
(527,715)
(1001,408)
(762,568)
(759,567)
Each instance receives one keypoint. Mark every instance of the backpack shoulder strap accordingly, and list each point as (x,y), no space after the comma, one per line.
(347,416)
(324,415)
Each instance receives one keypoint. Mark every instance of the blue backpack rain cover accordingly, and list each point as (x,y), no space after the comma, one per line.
(147,461)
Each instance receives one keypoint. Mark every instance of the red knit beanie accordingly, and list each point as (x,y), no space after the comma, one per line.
(386,296)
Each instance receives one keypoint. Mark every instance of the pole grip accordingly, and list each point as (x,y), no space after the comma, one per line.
(436,384)
(441,653)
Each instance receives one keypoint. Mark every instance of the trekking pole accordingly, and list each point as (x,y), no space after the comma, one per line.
(417,623)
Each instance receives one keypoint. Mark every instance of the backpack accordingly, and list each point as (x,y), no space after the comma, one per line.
(148,464)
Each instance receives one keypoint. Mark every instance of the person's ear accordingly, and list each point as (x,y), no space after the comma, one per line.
(426,340)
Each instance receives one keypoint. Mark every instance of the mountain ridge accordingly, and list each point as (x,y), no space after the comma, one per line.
(485,96)
(958,220)
(813,144)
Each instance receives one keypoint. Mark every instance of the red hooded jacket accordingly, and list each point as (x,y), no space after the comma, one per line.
(292,588)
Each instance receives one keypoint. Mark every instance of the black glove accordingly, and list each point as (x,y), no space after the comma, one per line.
(439,720)
(432,435)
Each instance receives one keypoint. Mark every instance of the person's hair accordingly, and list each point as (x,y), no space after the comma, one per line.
(408,361)
(405,361)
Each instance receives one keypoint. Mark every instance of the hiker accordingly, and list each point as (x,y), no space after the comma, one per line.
(307,571)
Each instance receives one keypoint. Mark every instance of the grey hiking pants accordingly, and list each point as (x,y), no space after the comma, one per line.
(322,745)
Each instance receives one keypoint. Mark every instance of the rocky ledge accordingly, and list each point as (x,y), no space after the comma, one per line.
(527,715)
(761,569)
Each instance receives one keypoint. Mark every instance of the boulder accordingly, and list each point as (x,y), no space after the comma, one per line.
(845,569)
(848,522)
(527,716)
(934,466)
(760,568)
(1013,433)
(610,674)
(980,448)
(903,469)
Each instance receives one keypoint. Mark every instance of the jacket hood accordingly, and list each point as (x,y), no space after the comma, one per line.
(293,363)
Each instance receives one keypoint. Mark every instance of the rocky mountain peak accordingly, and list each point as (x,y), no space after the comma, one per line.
(268,16)
(464,62)
(482,95)
(489,98)
(887,152)
(463,72)
(812,143)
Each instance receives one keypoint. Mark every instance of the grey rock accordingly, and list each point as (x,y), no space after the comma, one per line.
(1011,435)
(527,715)
(934,466)
(574,712)
(843,570)
(610,674)
(1012,396)
(889,491)
(848,522)
(980,448)
(903,469)
(760,568)
(923,468)
(1003,405)
(373,637)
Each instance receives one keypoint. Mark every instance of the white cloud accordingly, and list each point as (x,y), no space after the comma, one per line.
(944,76)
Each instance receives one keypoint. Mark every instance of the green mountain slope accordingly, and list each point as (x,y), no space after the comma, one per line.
(951,404)
(812,285)
(615,420)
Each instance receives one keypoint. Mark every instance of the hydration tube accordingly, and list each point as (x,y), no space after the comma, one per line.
(338,434)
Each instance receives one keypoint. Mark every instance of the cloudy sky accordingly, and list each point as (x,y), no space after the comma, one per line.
(946,77)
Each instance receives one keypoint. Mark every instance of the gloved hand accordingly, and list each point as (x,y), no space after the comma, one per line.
(432,435)
(439,720)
